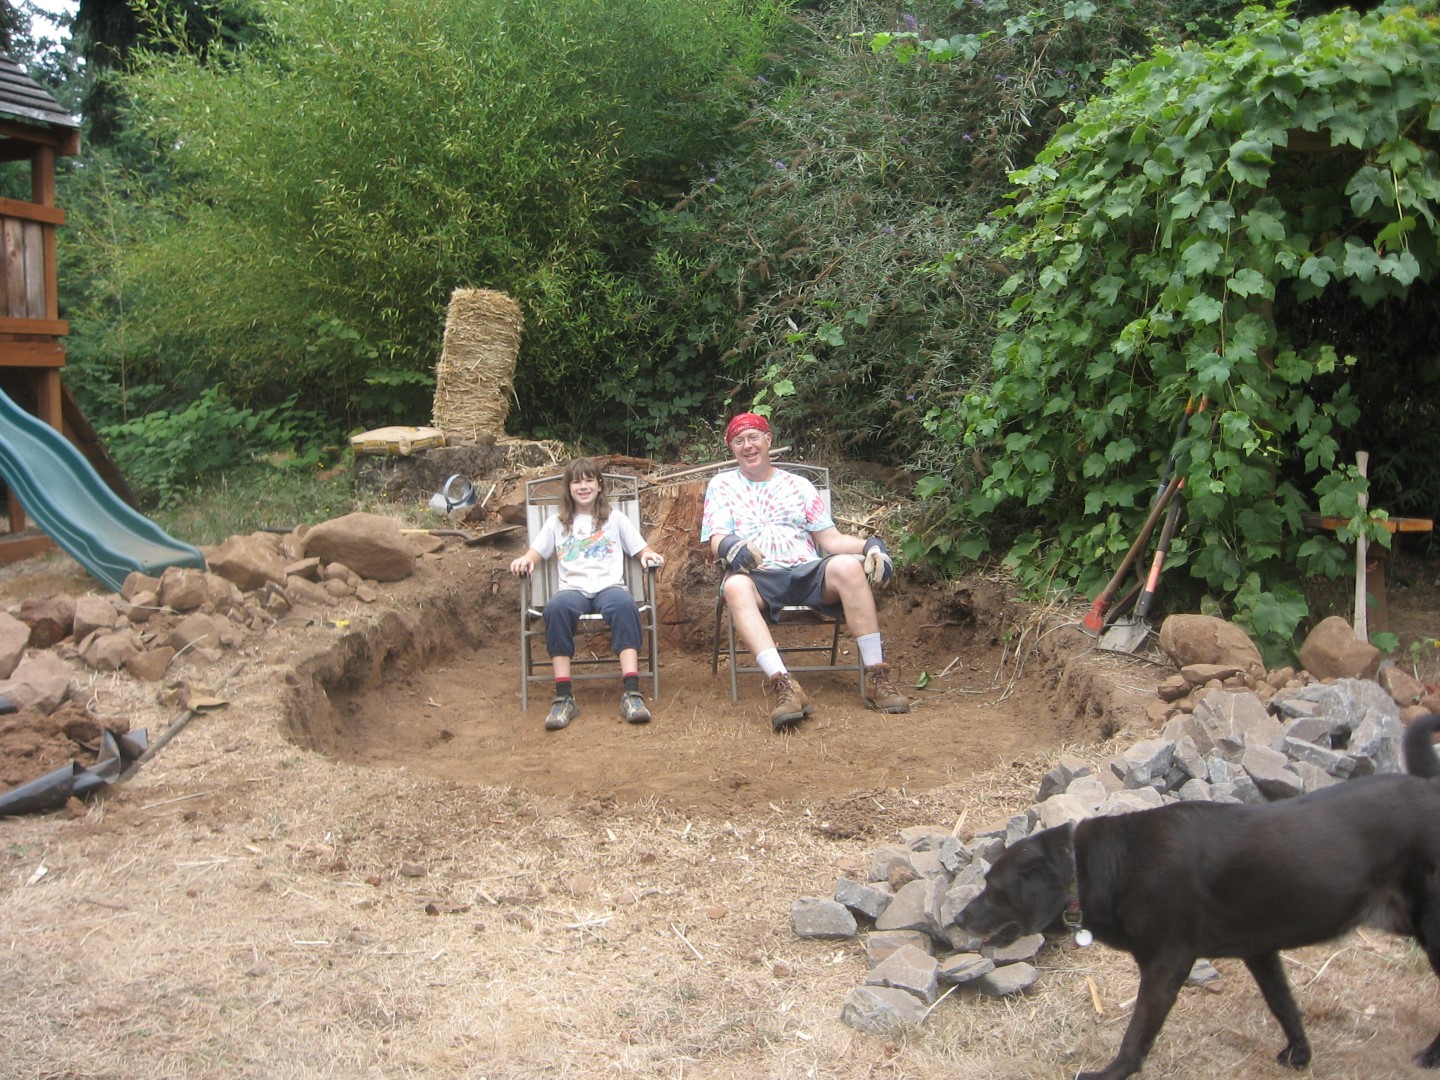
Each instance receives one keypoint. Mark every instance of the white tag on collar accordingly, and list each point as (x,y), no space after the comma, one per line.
(1083,937)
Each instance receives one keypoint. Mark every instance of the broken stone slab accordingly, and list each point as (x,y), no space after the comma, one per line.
(1321,757)
(1022,948)
(1377,734)
(957,897)
(1194,790)
(136,582)
(818,918)
(879,944)
(247,561)
(151,665)
(1010,979)
(1064,808)
(1232,720)
(1270,770)
(880,1010)
(863,898)
(1404,689)
(1147,760)
(1059,778)
(916,907)
(14,640)
(910,969)
(963,967)
(1131,800)
(51,619)
(93,613)
(109,650)
(184,588)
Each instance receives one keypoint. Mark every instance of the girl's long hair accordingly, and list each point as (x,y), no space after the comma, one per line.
(583,468)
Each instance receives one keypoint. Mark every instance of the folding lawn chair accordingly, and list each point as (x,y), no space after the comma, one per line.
(794,633)
(542,501)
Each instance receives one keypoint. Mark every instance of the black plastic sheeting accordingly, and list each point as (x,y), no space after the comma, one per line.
(53,790)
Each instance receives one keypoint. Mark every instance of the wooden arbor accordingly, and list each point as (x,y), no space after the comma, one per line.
(35,129)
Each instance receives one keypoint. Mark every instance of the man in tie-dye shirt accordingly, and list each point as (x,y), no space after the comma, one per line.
(773,531)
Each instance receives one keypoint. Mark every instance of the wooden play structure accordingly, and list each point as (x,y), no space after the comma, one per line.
(34,128)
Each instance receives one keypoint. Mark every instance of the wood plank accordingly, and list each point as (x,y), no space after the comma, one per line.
(15,548)
(47,354)
(26,211)
(1317,522)
(39,327)
(33,236)
(12,237)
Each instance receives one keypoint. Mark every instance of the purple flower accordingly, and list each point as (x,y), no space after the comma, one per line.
(888,229)
(968,137)
(779,164)
(904,140)
(909,21)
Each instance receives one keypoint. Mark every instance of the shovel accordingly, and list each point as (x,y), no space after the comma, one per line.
(1128,633)
(1094,621)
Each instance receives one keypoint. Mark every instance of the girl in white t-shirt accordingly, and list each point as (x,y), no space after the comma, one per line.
(590,545)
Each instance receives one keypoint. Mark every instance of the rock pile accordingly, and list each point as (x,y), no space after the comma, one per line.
(1231,732)
(250,583)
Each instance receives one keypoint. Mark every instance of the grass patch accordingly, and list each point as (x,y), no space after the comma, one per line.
(259,496)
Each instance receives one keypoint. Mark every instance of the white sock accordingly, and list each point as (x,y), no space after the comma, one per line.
(770,663)
(871,651)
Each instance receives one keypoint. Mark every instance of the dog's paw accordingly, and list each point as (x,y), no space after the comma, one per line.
(1295,1056)
(1429,1058)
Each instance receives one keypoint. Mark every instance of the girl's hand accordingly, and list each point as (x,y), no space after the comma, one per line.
(520,566)
(652,560)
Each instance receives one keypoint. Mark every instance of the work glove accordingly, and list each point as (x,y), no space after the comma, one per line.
(876,560)
(736,554)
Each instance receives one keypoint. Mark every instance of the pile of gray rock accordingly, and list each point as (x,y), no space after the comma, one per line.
(1235,734)
(153,622)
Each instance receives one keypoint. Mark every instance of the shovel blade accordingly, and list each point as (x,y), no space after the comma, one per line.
(1125,635)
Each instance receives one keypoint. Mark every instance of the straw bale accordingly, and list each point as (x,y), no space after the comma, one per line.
(474,380)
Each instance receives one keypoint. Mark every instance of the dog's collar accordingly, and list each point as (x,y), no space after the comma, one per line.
(1072,916)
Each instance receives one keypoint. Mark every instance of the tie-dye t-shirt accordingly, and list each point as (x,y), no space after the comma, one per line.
(777,516)
(587,558)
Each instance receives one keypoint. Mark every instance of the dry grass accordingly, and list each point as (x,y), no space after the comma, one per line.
(247,908)
(244,909)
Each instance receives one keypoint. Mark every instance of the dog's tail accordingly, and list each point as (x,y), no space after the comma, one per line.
(1420,757)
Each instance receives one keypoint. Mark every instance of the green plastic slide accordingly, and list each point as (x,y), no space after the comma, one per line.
(68,500)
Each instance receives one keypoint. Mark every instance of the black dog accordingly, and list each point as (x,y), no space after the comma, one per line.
(1207,879)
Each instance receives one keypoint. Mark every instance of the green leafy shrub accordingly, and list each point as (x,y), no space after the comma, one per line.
(333,180)
(1168,245)
(809,268)
(164,453)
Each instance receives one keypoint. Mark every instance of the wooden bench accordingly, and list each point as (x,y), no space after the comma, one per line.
(1376,556)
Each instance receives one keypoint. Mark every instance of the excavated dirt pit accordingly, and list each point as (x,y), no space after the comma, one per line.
(436,690)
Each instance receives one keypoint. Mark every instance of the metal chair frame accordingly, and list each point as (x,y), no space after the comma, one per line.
(542,501)
(790,615)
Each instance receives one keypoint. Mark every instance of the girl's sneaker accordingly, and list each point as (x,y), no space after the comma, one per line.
(632,708)
(562,711)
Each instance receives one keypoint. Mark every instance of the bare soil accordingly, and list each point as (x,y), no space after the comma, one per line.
(373,862)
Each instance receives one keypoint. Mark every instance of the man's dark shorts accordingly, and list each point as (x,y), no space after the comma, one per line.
(796,586)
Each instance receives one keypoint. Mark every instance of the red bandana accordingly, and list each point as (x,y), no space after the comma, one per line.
(746,421)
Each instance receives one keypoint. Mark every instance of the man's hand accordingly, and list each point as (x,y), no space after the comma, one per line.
(736,554)
(876,560)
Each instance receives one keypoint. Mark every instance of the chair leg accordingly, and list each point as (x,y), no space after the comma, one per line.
(734,675)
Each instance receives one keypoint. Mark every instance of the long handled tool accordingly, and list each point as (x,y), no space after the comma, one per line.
(1094,620)
(1129,633)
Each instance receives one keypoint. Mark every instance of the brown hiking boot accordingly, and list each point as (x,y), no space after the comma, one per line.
(791,704)
(880,692)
